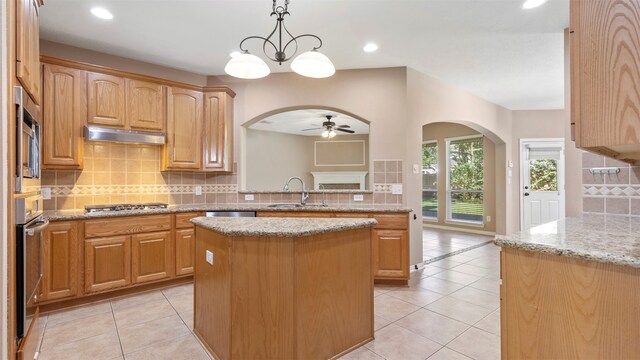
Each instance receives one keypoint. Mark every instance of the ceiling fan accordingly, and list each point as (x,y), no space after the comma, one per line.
(330,128)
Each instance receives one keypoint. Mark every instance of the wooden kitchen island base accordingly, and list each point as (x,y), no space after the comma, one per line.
(278,297)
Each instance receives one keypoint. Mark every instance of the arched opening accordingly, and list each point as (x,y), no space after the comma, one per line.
(327,147)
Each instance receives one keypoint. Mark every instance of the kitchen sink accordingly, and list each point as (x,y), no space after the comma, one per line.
(285,206)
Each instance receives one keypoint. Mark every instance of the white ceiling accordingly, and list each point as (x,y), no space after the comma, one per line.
(492,48)
(295,122)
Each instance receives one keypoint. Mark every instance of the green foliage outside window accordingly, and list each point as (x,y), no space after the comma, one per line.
(543,175)
(466,168)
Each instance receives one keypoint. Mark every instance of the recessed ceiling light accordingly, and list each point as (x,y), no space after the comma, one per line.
(530,4)
(234,54)
(370,47)
(102,13)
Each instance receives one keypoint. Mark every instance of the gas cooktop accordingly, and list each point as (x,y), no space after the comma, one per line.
(124,207)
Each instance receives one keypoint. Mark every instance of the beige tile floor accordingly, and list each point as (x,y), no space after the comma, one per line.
(450,310)
(437,242)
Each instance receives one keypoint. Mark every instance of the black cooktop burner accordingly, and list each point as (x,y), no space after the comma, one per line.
(124,207)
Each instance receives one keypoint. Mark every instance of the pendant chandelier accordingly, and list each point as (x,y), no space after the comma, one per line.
(311,63)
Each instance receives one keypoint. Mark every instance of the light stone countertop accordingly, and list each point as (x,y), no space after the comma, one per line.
(62,215)
(279,227)
(613,239)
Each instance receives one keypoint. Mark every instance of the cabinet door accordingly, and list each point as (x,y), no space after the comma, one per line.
(28,47)
(106,100)
(185,247)
(390,254)
(184,129)
(65,111)
(145,105)
(61,254)
(218,130)
(151,256)
(107,263)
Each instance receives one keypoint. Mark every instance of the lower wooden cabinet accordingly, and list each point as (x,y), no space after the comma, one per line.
(185,247)
(151,257)
(107,263)
(390,253)
(60,262)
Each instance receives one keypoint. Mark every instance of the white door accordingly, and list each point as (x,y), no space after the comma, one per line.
(542,179)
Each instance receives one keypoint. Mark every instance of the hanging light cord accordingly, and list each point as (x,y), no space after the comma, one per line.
(280,51)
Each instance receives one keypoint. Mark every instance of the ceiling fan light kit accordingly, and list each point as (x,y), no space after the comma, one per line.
(311,63)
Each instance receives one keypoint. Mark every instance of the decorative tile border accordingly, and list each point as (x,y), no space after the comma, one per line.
(611,190)
(97,190)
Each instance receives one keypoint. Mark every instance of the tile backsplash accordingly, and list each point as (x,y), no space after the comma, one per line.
(610,193)
(129,173)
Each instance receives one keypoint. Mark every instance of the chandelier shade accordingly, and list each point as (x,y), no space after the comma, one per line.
(280,46)
(247,66)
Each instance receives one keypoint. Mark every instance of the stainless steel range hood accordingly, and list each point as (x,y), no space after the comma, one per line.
(96,133)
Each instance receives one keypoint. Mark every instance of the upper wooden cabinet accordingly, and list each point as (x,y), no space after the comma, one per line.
(183,150)
(61,255)
(218,129)
(106,102)
(28,47)
(145,105)
(64,115)
(605,73)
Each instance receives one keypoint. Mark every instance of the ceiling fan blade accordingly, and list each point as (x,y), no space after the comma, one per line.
(344,126)
(345,130)
(312,129)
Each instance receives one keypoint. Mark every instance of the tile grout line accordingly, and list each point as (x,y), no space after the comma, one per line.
(457,252)
(113,315)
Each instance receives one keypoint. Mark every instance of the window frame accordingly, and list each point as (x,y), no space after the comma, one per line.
(448,208)
(437,145)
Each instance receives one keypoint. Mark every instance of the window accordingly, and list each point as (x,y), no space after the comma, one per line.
(465,179)
(430,180)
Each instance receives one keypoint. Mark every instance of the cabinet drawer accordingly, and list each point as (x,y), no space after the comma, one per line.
(126,225)
(350,215)
(385,221)
(183,220)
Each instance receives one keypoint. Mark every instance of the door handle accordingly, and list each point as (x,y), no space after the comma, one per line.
(526,194)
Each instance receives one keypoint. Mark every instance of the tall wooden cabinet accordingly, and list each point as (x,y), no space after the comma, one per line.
(218,129)
(183,150)
(28,47)
(60,262)
(605,73)
(64,115)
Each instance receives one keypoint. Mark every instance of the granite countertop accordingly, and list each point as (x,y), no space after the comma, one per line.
(279,227)
(60,215)
(613,239)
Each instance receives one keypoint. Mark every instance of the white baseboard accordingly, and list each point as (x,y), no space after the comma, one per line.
(461,229)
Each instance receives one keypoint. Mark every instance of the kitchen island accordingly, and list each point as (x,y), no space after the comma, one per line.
(283,288)
(571,289)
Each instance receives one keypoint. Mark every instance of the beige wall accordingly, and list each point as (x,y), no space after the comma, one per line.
(440,132)
(116,62)
(273,157)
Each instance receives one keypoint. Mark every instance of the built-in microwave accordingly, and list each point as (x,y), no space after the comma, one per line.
(27,144)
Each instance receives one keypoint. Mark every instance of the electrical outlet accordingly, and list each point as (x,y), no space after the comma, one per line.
(358,197)
(488,218)
(248,197)
(396,189)
(209,257)
(198,190)
(46,193)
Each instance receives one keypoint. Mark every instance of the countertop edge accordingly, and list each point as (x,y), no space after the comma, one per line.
(621,260)
(341,225)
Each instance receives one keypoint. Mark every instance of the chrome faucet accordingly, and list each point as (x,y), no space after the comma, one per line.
(305,194)
(324,195)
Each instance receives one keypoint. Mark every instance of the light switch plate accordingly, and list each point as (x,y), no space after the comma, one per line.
(198,190)
(46,193)
(416,169)
(396,189)
(488,218)
(209,256)
(358,197)
(248,197)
